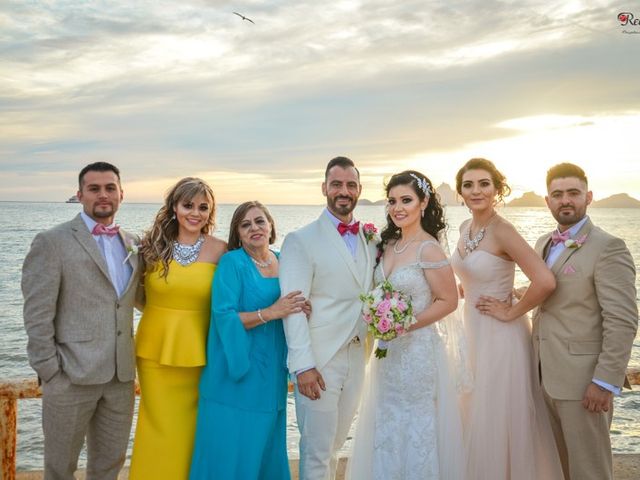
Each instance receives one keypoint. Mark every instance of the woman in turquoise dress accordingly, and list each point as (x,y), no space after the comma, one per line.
(241,426)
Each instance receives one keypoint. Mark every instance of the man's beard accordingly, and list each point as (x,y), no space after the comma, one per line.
(343,210)
(101,213)
(569,219)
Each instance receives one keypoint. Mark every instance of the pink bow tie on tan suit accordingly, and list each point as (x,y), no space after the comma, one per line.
(557,237)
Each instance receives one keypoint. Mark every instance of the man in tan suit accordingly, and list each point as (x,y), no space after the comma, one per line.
(79,285)
(583,332)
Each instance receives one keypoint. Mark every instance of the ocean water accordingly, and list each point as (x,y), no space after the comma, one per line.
(19,222)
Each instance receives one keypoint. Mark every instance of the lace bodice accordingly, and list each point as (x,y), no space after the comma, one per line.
(410,279)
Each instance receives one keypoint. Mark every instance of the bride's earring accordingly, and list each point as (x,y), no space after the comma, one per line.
(422,213)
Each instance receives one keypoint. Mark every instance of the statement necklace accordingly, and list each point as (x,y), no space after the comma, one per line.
(187,254)
(264,264)
(470,244)
(398,251)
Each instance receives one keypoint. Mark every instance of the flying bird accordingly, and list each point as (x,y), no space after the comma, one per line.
(244,18)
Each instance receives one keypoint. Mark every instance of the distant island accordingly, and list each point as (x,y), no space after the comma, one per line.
(529,199)
(619,200)
(448,196)
(364,201)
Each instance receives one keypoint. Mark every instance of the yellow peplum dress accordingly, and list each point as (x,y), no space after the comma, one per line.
(171,351)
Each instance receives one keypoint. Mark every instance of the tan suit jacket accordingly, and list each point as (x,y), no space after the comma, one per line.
(586,328)
(74,320)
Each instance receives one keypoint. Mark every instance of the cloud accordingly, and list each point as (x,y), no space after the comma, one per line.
(166,89)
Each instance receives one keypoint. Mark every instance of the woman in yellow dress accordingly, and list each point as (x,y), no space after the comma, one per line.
(181,258)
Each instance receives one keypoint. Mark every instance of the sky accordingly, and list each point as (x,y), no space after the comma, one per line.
(167,89)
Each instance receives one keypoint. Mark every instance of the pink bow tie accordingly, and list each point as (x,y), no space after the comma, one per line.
(343,228)
(557,237)
(100,229)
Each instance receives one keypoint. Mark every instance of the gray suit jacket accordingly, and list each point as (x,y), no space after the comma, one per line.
(586,328)
(74,320)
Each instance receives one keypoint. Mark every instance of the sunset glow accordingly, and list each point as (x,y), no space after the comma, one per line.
(165,91)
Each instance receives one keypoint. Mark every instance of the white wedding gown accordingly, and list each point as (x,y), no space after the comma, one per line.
(409,423)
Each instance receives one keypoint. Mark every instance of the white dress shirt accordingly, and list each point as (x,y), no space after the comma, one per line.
(556,250)
(350,239)
(114,253)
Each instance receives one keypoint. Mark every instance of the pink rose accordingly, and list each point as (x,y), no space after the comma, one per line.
(367,318)
(370,227)
(402,306)
(383,308)
(369,230)
(399,329)
(384,325)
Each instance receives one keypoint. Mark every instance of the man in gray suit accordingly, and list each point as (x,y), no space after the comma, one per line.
(79,284)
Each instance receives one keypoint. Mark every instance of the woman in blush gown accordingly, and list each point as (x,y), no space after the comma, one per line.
(409,424)
(507,430)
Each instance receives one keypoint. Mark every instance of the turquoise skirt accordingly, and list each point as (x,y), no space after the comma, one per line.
(239,444)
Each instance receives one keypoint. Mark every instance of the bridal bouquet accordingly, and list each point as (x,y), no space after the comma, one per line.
(387,313)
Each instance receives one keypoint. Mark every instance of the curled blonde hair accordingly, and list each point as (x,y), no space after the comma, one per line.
(157,244)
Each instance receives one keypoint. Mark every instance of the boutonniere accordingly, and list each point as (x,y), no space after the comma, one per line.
(369,230)
(575,243)
(132,249)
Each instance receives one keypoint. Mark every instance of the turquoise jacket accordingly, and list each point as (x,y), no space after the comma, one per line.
(245,369)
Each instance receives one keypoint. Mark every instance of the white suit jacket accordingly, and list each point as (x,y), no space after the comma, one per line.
(316,260)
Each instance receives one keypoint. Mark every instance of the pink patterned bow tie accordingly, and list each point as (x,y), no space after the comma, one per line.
(557,237)
(100,229)
(343,228)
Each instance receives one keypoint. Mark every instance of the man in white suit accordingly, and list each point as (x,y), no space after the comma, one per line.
(331,262)
(79,286)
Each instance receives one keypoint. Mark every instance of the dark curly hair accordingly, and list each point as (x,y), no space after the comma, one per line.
(433,220)
(498,179)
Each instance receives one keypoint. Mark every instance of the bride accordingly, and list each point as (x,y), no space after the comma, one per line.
(409,424)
